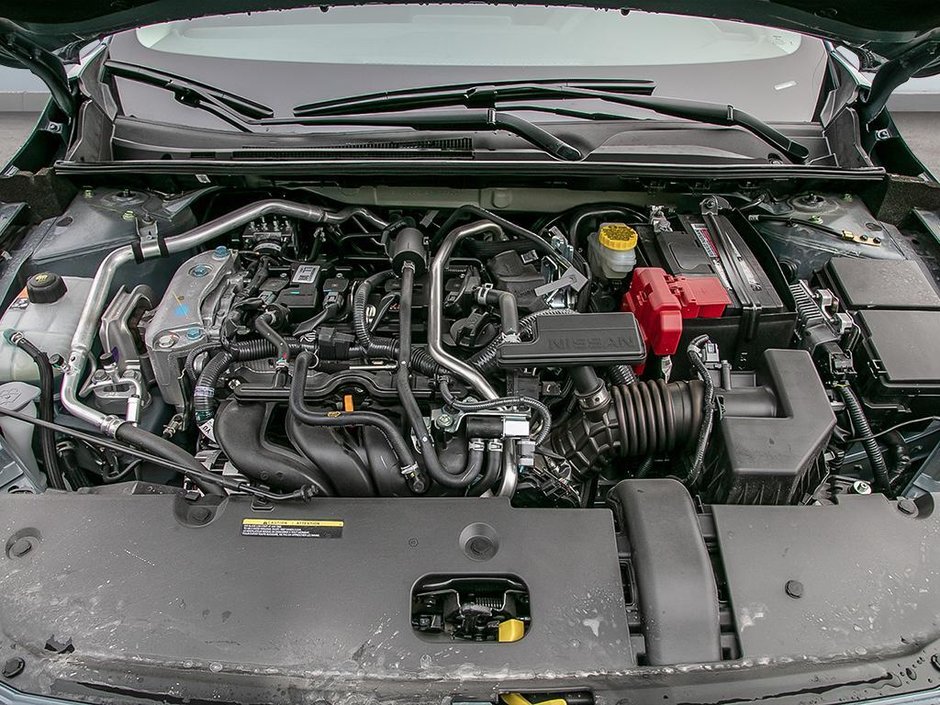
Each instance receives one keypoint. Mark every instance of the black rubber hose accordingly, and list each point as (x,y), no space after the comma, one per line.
(204,391)
(494,463)
(360,299)
(50,457)
(298,407)
(156,445)
(266,330)
(863,432)
(508,309)
(432,462)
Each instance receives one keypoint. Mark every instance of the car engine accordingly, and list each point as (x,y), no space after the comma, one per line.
(298,348)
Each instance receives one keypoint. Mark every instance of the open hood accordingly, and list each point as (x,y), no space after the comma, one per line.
(900,36)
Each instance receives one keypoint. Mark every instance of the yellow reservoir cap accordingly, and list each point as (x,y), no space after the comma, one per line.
(519,699)
(617,236)
(511,630)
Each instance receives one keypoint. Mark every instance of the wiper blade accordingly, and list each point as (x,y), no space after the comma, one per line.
(473,119)
(471,95)
(231,107)
(493,95)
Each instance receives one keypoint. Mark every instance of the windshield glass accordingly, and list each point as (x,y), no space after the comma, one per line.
(286,58)
(470,35)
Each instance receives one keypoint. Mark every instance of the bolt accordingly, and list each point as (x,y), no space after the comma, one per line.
(815,219)
(848,198)
(794,588)
(167,341)
(21,547)
(444,421)
(861,487)
(129,215)
(200,270)
(220,252)
(89,193)
(907,506)
(194,333)
(13,667)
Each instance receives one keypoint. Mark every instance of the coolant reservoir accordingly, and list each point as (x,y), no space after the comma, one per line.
(46,311)
(612,250)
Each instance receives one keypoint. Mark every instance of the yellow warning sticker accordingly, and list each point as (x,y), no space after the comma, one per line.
(294,528)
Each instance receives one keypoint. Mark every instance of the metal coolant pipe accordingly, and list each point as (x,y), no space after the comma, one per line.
(84,337)
(436,307)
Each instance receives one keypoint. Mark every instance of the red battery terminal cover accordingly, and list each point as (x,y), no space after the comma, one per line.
(660,302)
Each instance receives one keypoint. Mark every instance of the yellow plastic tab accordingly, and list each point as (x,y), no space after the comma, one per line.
(520,699)
(617,236)
(348,404)
(511,630)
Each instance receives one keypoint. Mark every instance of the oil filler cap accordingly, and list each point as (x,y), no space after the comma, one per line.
(45,288)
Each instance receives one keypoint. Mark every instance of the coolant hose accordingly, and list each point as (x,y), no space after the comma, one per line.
(432,462)
(156,445)
(46,411)
(508,309)
(298,407)
(494,463)
(863,432)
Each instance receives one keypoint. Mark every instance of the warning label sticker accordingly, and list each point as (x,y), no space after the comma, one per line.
(294,528)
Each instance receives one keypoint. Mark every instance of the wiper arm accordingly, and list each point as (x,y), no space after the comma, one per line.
(471,95)
(236,110)
(492,95)
(474,119)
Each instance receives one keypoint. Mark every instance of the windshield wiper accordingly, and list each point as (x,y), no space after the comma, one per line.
(470,95)
(234,109)
(629,93)
(473,119)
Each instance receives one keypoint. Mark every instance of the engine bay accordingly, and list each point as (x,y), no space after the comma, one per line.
(361,352)
(642,387)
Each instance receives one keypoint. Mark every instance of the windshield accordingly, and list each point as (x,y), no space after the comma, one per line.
(470,35)
(284,58)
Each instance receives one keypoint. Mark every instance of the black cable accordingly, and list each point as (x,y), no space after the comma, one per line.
(385,305)
(329,311)
(708,408)
(50,457)
(879,467)
(304,493)
(903,424)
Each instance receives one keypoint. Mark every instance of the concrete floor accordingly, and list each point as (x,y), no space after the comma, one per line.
(921,130)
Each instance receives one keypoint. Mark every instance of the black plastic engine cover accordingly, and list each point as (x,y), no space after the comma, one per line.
(155,577)
(578,339)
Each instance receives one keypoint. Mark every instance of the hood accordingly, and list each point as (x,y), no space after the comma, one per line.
(900,36)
